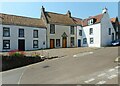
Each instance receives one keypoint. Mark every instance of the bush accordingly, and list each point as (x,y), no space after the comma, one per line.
(16,53)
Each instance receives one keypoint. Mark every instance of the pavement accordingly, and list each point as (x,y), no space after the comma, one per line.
(95,66)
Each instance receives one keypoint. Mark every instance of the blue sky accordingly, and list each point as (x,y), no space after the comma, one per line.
(78,9)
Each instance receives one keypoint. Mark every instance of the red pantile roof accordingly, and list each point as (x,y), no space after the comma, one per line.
(113,19)
(97,19)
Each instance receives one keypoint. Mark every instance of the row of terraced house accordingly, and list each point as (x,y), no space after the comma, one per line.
(54,30)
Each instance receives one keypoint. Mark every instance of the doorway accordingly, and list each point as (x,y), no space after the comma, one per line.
(21,45)
(79,43)
(52,43)
(64,42)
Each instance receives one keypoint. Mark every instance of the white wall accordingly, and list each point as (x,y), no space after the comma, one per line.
(96,35)
(28,31)
(1,37)
(106,39)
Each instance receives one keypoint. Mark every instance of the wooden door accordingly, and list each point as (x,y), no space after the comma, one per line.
(52,43)
(21,45)
(64,42)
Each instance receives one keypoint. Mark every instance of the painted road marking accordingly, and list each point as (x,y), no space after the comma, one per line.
(112,76)
(83,54)
(102,74)
(101,82)
(117,67)
(74,55)
(90,80)
(110,70)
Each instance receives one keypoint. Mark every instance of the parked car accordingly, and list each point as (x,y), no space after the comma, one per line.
(117,42)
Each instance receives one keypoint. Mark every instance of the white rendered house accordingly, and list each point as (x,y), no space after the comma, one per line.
(21,33)
(97,31)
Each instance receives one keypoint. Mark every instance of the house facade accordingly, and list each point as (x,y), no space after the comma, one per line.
(97,31)
(61,29)
(116,25)
(21,33)
(54,30)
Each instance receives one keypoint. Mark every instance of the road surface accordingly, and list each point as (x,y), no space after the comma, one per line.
(93,67)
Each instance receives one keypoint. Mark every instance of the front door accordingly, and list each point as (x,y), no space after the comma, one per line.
(79,43)
(52,43)
(112,36)
(64,42)
(21,44)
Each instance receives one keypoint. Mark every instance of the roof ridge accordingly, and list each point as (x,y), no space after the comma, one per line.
(56,13)
(93,16)
(19,16)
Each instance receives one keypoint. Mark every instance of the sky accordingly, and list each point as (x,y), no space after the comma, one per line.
(78,9)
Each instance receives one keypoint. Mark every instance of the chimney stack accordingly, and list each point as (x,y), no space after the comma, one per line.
(69,13)
(43,9)
(104,10)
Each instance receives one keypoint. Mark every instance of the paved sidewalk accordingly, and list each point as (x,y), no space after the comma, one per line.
(61,52)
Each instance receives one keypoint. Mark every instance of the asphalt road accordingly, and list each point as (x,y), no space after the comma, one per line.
(93,67)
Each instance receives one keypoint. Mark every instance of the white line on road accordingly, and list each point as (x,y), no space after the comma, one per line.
(117,67)
(74,55)
(90,80)
(83,54)
(110,70)
(22,75)
(101,82)
(102,74)
(112,76)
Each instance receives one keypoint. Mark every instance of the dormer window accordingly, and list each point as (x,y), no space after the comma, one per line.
(91,21)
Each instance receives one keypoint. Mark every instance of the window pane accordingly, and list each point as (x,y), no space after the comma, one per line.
(91,31)
(72,41)
(6,32)
(80,32)
(35,43)
(109,31)
(91,41)
(57,42)
(85,41)
(6,44)
(52,29)
(21,32)
(35,33)
(72,30)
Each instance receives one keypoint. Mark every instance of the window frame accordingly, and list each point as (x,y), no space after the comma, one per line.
(109,31)
(84,39)
(4,44)
(91,40)
(59,43)
(91,31)
(34,46)
(52,28)
(72,30)
(72,41)
(91,21)
(4,31)
(80,32)
(34,36)
(23,34)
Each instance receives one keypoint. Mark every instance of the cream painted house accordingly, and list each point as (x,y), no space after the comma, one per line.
(61,29)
